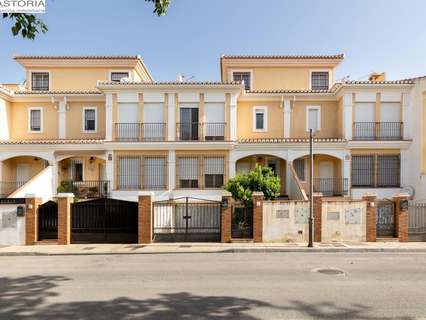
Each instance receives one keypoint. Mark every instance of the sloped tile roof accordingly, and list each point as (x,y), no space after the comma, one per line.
(405,81)
(88,57)
(53,141)
(288,91)
(57,92)
(184,83)
(288,140)
(335,56)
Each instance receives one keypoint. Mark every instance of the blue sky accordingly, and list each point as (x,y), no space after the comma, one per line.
(375,35)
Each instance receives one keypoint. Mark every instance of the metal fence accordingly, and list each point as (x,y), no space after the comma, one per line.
(416,218)
(145,132)
(186,219)
(331,186)
(195,131)
(87,188)
(377,131)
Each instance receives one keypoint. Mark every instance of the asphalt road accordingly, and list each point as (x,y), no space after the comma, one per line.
(214,286)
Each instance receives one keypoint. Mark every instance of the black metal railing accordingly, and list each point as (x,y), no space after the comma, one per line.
(86,189)
(379,131)
(8,187)
(145,132)
(376,171)
(331,186)
(196,131)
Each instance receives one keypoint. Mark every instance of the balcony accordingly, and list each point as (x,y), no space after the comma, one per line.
(86,189)
(330,187)
(377,131)
(195,131)
(140,132)
(8,187)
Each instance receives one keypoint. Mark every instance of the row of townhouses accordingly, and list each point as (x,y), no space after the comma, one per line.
(101,125)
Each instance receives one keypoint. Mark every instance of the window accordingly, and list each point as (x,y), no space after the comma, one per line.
(40,81)
(214,168)
(299,167)
(35,118)
(243,76)
(76,170)
(313,118)
(129,172)
(188,172)
(154,173)
(376,171)
(260,116)
(320,80)
(117,76)
(89,119)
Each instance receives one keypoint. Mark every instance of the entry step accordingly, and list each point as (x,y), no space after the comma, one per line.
(387,239)
(242,241)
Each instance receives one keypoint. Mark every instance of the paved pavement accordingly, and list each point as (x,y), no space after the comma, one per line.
(214,286)
(163,248)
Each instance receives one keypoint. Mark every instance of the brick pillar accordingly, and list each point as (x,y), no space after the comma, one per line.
(317,200)
(401,217)
(145,217)
(226,217)
(64,217)
(31,219)
(371,217)
(257,198)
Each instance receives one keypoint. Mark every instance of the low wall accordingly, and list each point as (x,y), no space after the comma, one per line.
(285,221)
(344,221)
(12,227)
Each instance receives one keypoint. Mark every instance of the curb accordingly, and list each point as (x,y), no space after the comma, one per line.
(233,250)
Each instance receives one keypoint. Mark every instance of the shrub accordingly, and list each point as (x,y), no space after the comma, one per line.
(260,179)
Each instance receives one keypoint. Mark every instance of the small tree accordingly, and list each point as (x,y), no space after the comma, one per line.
(260,179)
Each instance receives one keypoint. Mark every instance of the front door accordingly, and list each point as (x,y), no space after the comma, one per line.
(189,123)
(326,180)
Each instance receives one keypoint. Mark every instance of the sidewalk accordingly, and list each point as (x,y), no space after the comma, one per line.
(176,248)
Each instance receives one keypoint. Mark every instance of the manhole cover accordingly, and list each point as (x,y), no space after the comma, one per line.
(330,271)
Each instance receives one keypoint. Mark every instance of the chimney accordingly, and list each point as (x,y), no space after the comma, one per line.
(179,78)
(377,76)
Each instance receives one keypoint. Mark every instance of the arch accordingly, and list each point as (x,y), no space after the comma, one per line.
(64,157)
(41,155)
(296,154)
(236,155)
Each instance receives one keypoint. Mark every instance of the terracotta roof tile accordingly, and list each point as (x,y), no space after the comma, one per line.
(405,81)
(289,91)
(57,92)
(289,140)
(336,56)
(156,83)
(88,57)
(54,141)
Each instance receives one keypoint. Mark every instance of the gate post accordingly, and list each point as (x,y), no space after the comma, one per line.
(226,217)
(145,217)
(257,198)
(401,216)
(64,217)
(371,216)
(31,219)
(317,203)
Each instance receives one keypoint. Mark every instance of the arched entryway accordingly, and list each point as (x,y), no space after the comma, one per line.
(327,174)
(278,165)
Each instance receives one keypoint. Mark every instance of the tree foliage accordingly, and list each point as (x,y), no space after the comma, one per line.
(28,25)
(160,6)
(260,179)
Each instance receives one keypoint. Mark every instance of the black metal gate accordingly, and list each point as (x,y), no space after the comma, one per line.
(48,221)
(242,221)
(385,222)
(186,219)
(104,221)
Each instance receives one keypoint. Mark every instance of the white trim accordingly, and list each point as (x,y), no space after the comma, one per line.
(318,119)
(96,119)
(320,70)
(29,119)
(231,73)
(264,109)
(30,80)
(129,72)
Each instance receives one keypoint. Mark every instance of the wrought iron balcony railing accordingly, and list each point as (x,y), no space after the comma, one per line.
(140,132)
(86,188)
(377,131)
(331,186)
(196,131)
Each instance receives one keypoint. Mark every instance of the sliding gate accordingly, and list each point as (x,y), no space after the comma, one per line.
(186,219)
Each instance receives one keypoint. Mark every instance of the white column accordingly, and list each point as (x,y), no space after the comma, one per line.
(406,131)
(62,119)
(171,164)
(231,169)
(108,117)
(346,169)
(109,168)
(347,115)
(171,121)
(287,118)
(233,118)
(55,174)
(4,128)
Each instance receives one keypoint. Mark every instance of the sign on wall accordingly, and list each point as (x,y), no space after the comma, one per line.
(353,216)
(301,216)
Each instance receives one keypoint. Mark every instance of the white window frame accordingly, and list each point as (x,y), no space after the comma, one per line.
(30,78)
(319,117)
(232,71)
(265,118)
(320,70)
(84,120)
(29,119)
(129,72)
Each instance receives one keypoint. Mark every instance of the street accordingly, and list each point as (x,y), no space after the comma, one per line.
(214,286)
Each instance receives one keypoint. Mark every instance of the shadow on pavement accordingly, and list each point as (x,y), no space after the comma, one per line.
(27,298)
